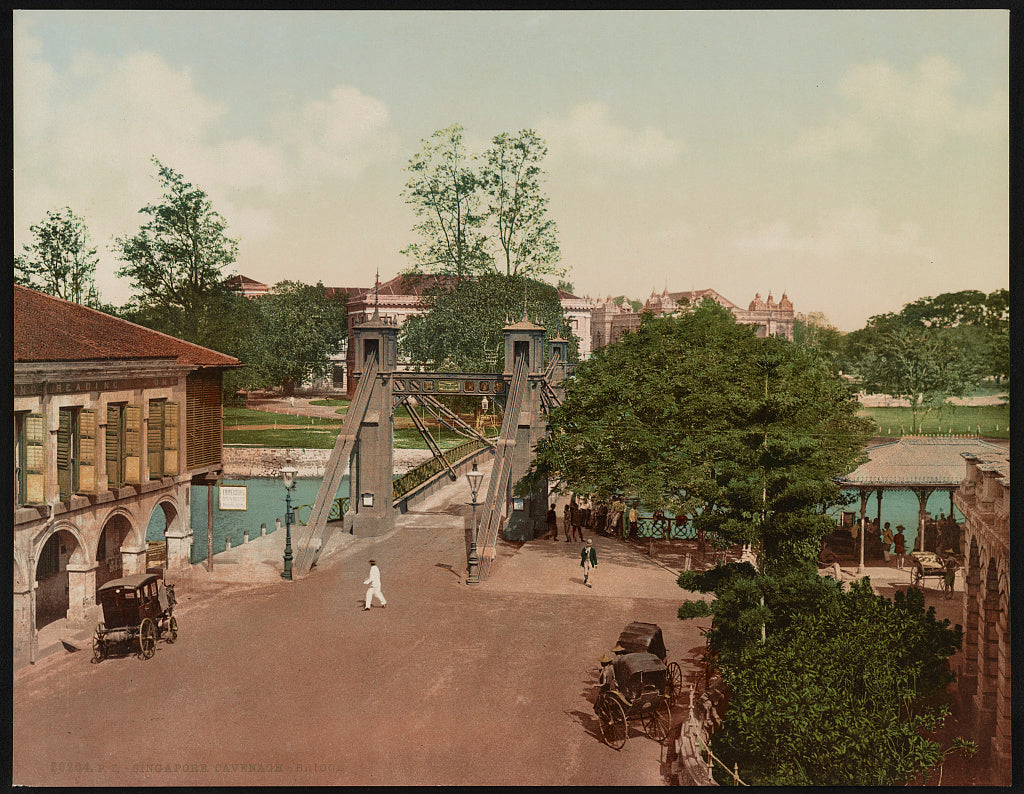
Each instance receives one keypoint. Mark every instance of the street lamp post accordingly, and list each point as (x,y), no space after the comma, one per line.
(474,477)
(288,473)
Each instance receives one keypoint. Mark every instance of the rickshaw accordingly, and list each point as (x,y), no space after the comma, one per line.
(640,637)
(643,687)
(930,564)
(137,610)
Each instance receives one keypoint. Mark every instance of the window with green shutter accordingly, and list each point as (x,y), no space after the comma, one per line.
(67,451)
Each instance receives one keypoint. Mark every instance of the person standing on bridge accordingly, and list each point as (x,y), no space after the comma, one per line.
(374,589)
(588,561)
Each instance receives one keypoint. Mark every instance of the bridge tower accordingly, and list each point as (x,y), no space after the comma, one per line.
(371,471)
(528,517)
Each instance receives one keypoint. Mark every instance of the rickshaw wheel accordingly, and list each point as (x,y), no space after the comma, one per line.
(673,682)
(658,721)
(147,639)
(917,577)
(613,722)
(172,629)
(99,646)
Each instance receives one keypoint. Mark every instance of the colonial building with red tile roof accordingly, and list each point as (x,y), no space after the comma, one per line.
(113,423)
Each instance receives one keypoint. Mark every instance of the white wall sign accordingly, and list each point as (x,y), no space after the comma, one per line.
(231,497)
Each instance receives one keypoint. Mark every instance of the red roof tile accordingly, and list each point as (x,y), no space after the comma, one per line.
(51,329)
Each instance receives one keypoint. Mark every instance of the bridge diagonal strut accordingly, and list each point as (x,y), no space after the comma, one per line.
(451,420)
(308,545)
(434,448)
(501,471)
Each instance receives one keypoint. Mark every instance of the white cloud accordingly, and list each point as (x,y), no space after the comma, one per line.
(843,235)
(920,105)
(84,135)
(341,135)
(589,135)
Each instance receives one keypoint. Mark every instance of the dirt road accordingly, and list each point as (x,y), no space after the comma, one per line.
(293,683)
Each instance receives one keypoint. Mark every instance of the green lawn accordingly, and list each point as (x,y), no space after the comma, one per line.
(990,421)
(247,416)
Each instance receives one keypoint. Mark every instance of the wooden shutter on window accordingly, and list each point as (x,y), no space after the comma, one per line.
(203,419)
(64,478)
(35,459)
(113,452)
(171,430)
(155,439)
(132,444)
(86,452)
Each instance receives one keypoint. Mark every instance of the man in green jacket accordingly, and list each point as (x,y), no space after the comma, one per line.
(588,561)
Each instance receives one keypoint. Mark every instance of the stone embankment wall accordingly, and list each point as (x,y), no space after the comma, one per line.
(244,462)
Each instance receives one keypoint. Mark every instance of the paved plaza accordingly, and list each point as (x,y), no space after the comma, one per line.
(283,683)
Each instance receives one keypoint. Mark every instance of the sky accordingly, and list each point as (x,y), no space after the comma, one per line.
(855,160)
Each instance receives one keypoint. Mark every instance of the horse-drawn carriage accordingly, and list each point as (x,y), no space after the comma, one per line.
(646,687)
(136,611)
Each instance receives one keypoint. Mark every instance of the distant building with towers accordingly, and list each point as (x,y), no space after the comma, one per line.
(609,321)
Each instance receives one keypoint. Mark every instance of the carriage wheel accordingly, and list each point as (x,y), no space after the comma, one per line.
(916,577)
(613,722)
(147,639)
(657,722)
(172,629)
(673,682)
(99,645)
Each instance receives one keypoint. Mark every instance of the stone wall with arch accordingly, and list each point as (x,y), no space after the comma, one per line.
(82,523)
(984,666)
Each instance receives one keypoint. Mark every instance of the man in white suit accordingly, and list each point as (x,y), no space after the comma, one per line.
(374,586)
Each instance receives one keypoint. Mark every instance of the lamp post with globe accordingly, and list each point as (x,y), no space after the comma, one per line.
(473,477)
(288,473)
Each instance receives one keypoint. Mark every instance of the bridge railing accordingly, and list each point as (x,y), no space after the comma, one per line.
(414,478)
(338,510)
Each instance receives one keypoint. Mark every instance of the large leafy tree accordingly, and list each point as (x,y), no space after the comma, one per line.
(924,366)
(60,260)
(696,414)
(816,332)
(176,261)
(970,325)
(290,333)
(826,687)
(444,192)
(461,328)
(511,179)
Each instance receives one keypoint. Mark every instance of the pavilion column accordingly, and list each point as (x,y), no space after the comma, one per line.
(863,518)
(922,499)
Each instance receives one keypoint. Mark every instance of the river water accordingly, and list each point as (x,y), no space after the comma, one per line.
(264,505)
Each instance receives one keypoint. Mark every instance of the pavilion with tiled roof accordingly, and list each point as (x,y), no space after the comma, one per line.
(919,464)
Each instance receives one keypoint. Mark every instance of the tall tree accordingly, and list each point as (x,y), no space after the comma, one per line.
(817,333)
(511,178)
(293,330)
(444,192)
(922,365)
(696,414)
(461,327)
(59,260)
(176,261)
